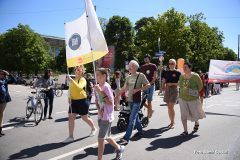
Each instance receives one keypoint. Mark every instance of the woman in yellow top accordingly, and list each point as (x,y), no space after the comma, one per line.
(78,102)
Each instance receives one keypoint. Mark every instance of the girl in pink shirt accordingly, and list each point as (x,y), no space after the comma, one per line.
(105,106)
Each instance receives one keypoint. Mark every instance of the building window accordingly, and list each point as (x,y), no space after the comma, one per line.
(57,51)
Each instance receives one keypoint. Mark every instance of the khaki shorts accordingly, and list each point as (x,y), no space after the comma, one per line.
(104,129)
(191,110)
(171,94)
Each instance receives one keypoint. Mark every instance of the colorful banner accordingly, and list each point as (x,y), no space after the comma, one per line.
(84,38)
(224,71)
(108,60)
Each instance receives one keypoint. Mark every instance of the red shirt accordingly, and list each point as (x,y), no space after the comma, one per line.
(148,70)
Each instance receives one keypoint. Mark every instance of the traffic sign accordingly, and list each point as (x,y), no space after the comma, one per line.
(161,53)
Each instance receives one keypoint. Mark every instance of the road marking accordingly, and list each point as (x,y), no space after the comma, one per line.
(10,123)
(206,106)
(61,112)
(7,128)
(82,149)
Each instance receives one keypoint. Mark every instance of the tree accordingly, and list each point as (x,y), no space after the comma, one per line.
(119,33)
(171,28)
(24,47)
(229,55)
(143,22)
(145,43)
(61,64)
(206,43)
(103,23)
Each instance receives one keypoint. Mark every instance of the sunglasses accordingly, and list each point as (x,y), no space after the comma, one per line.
(171,63)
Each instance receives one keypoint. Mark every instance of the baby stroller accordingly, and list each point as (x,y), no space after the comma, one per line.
(124,114)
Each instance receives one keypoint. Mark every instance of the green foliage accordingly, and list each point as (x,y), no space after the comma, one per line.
(229,55)
(23,50)
(185,37)
(61,64)
(119,32)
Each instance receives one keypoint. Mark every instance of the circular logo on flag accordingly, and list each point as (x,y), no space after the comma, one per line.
(75,41)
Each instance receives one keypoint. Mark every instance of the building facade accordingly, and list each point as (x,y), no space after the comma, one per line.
(56,43)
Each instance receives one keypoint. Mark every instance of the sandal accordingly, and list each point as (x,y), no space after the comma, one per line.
(150,113)
(195,129)
(171,126)
(184,134)
(116,109)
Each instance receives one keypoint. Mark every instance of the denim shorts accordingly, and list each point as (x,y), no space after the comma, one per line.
(150,92)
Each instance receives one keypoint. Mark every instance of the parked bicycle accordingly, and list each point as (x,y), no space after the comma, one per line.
(58,91)
(34,105)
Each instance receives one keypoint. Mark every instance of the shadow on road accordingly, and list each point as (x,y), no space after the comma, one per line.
(151,133)
(170,142)
(35,150)
(20,122)
(114,130)
(65,119)
(221,114)
(94,151)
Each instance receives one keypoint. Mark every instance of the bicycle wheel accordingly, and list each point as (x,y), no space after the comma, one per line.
(38,112)
(58,92)
(29,109)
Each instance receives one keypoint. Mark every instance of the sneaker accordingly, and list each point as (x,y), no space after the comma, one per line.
(123,140)
(93,132)
(119,153)
(68,140)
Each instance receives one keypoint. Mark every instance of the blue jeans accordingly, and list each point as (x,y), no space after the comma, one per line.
(134,120)
(150,92)
(48,100)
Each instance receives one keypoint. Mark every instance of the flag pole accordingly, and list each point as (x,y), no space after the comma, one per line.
(69,98)
(90,42)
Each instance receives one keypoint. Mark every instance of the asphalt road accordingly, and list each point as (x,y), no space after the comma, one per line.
(217,139)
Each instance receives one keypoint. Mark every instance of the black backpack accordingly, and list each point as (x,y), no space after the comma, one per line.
(113,84)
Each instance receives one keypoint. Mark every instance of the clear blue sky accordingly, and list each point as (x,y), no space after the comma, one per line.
(48,16)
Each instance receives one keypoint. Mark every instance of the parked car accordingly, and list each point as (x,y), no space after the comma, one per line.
(11,79)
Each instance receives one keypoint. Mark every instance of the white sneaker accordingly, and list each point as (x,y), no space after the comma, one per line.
(93,132)
(68,140)
(119,153)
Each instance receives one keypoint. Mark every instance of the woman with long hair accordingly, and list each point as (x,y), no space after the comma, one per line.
(47,82)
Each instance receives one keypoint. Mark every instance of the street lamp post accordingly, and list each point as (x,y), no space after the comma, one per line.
(161,60)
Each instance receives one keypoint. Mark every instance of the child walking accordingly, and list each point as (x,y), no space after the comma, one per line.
(105,106)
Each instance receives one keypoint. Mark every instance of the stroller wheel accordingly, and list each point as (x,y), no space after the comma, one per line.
(145,122)
(122,125)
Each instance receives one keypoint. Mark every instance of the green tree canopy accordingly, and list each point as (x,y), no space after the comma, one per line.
(23,50)
(119,32)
